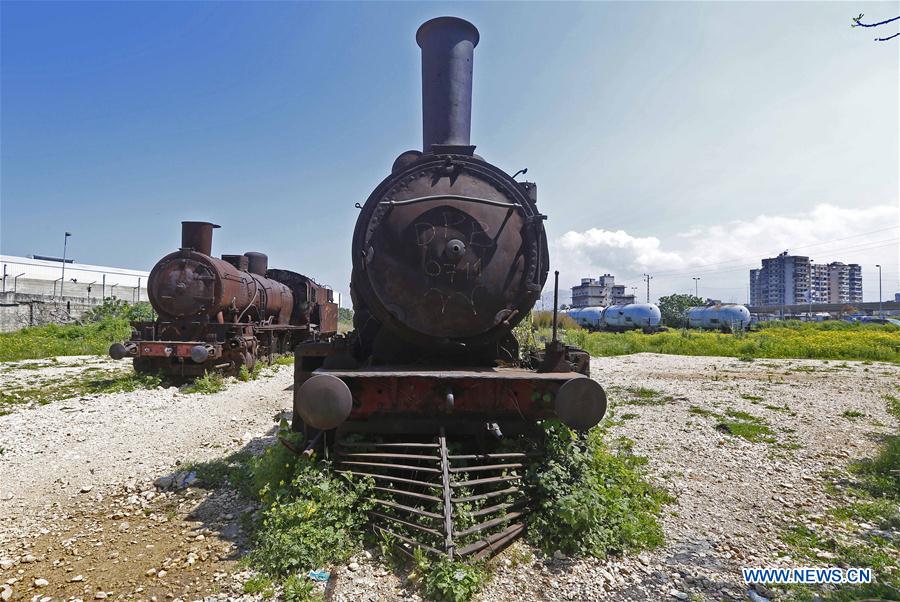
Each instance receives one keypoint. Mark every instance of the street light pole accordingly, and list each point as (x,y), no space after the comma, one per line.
(880,311)
(65,244)
(696,286)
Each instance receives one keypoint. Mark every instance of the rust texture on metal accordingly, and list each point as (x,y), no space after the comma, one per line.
(449,254)
(220,313)
(449,251)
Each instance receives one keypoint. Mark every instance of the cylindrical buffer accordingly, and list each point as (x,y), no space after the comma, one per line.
(448,44)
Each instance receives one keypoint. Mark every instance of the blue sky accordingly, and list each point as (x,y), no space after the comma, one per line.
(676,138)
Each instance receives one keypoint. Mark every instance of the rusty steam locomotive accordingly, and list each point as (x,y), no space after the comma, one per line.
(222,314)
(449,255)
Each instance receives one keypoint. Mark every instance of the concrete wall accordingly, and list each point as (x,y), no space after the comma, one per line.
(20,310)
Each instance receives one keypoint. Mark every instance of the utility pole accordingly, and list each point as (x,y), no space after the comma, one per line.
(63,280)
(880,311)
(696,286)
(648,277)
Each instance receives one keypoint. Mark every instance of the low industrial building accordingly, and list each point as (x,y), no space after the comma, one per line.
(37,291)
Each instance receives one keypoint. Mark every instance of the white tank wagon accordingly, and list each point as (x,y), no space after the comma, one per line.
(644,316)
(727,317)
(586,317)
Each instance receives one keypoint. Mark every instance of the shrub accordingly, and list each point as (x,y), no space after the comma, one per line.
(314,520)
(591,500)
(445,580)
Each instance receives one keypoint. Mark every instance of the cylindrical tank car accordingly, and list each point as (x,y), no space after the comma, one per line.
(586,317)
(727,317)
(633,316)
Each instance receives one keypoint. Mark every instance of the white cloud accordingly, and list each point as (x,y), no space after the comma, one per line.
(722,254)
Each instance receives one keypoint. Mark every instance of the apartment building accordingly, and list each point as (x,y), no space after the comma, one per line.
(601,291)
(795,279)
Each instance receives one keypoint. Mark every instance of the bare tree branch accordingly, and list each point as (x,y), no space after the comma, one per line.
(857,22)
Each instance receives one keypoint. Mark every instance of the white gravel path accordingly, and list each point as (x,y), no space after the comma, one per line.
(732,496)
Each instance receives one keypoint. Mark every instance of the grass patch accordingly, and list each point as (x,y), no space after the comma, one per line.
(642,396)
(209,383)
(698,411)
(87,383)
(893,405)
(284,360)
(873,487)
(100,327)
(755,433)
(852,414)
(70,339)
(828,340)
(752,397)
(746,426)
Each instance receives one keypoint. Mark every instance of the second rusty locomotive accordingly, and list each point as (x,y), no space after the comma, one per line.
(222,314)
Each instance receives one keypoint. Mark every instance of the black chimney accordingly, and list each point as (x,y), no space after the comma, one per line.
(447,44)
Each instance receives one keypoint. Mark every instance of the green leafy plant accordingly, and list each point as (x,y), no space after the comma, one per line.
(591,499)
(209,383)
(315,519)
(297,589)
(445,580)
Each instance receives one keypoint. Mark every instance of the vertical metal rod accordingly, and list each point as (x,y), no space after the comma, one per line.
(103,288)
(448,504)
(555,300)
(4,277)
(63,279)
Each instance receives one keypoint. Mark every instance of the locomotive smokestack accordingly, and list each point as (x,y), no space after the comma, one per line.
(197,236)
(447,44)
(259,262)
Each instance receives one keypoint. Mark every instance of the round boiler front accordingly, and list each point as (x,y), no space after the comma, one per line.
(449,249)
(183,286)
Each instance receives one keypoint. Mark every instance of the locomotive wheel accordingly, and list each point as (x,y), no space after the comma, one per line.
(249,361)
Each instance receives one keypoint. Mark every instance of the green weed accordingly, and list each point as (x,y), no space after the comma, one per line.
(260,584)
(591,499)
(852,414)
(445,580)
(209,383)
(298,589)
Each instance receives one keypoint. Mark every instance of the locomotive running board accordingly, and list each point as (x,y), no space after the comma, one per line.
(427,495)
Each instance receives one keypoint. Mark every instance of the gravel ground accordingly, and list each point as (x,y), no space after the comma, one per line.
(79,509)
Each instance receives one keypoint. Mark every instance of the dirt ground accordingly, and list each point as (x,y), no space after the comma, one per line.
(95,504)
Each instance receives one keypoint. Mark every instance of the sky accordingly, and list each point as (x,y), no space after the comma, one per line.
(679,139)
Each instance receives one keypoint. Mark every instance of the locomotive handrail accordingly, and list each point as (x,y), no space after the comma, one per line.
(457,197)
